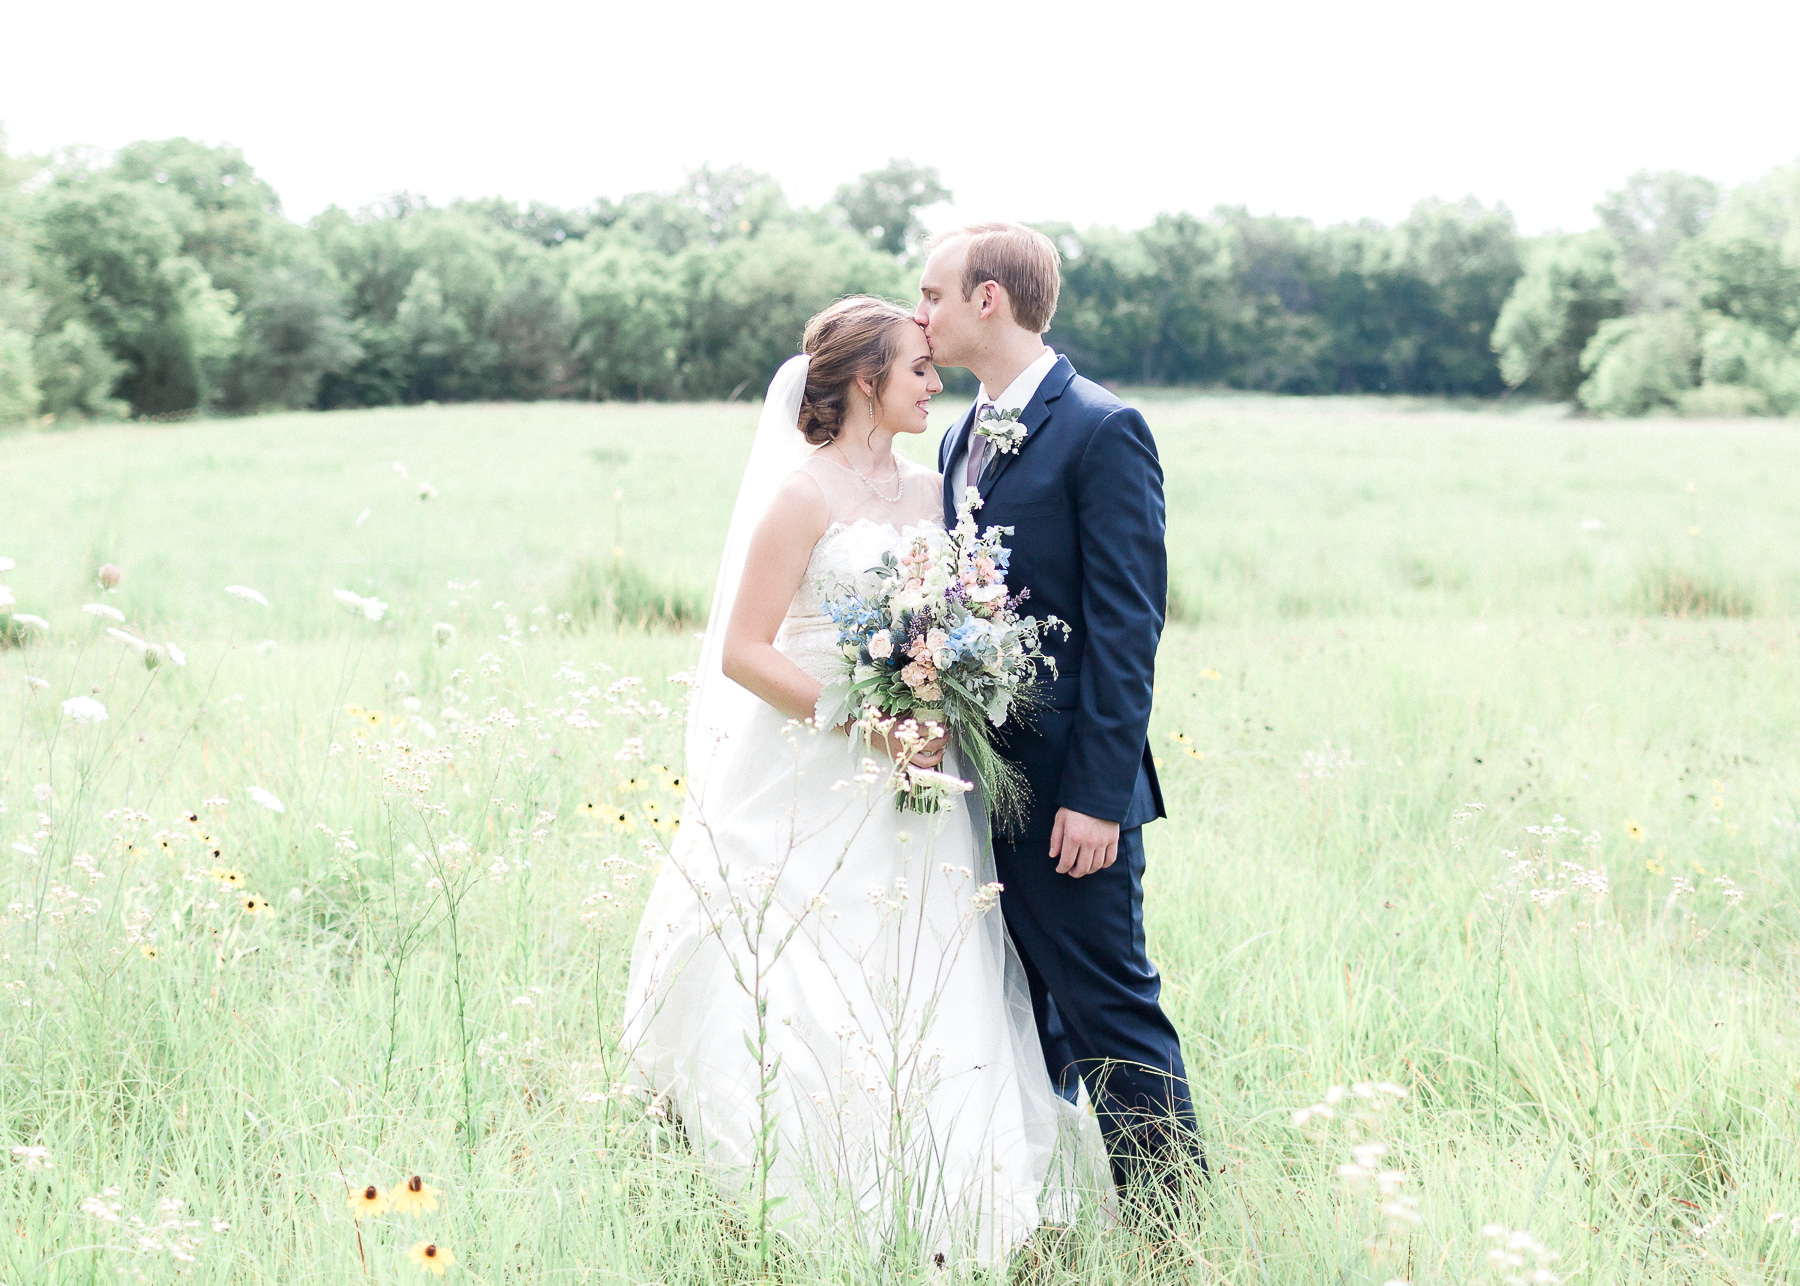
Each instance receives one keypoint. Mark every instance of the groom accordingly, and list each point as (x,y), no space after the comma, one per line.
(1082,491)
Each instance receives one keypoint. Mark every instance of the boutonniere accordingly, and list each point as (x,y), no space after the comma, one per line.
(1001,428)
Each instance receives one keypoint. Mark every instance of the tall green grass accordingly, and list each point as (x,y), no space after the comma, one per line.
(1396,615)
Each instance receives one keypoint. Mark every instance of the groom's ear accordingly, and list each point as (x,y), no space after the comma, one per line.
(991,294)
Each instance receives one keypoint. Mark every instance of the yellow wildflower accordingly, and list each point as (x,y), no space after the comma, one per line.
(413,1196)
(624,823)
(368,1203)
(1634,830)
(431,1257)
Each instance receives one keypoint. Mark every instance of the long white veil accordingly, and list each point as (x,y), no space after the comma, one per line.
(719,710)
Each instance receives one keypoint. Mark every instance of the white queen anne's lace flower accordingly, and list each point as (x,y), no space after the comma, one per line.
(85,710)
(245,592)
(266,798)
(372,608)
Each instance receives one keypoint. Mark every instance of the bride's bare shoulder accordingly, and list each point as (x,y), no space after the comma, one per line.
(800,502)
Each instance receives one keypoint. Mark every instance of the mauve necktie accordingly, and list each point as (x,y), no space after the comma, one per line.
(978,449)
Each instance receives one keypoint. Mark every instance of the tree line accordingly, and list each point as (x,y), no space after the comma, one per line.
(164,279)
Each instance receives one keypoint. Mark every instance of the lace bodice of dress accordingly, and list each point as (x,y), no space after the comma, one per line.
(864,526)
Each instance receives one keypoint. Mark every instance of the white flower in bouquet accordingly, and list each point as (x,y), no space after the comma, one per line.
(881,645)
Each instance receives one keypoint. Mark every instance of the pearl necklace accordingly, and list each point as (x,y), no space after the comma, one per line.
(869,482)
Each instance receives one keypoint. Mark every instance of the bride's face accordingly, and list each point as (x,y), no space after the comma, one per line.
(911,381)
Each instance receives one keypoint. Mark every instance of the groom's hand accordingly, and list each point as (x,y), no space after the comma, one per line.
(1083,844)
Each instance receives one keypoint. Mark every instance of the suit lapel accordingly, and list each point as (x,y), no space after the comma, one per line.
(1035,415)
(952,488)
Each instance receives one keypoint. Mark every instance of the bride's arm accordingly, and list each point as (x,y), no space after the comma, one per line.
(774,565)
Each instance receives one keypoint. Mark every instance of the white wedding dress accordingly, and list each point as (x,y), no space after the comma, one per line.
(820,971)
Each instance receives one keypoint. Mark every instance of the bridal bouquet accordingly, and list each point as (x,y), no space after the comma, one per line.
(940,638)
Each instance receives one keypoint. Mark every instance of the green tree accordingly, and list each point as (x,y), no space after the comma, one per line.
(1570,287)
(1650,219)
(748,300)
(627,319)
(884,204)
(232,214)
(20,308)
(113,261)
(1640,363)
(295,334)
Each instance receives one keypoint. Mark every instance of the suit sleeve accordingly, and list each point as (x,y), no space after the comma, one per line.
(1125,577)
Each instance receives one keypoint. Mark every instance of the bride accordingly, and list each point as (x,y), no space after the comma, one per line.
(822,990)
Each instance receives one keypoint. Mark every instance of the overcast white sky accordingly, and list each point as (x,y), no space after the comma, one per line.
(1108,111)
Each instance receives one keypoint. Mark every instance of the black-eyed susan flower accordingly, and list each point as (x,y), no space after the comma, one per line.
(254,905)
(632,784)
(368,1203)
(1634,830)
(149,951)
(372,718)
(624,823)
(432,1257)
(191,817)
(592,809)
(413,1196)
(225,875)
(1211,674)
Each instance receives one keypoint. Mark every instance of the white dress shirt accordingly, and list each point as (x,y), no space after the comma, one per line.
(1023,388)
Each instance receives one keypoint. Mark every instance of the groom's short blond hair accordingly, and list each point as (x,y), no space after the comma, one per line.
(1022,260)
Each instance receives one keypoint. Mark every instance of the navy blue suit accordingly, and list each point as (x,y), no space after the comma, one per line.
(1083,495)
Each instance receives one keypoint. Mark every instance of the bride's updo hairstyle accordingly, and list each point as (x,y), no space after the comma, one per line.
(855,338)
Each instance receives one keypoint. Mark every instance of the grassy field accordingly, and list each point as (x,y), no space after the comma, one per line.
(1433,670)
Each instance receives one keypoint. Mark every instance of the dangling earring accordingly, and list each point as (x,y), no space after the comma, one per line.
(871,413)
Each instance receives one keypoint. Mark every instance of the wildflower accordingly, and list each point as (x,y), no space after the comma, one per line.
(260,796)
(443,633)
(149,951)
(131,641)
(1211,674)
(27,619)
(372,608)
(84,710)
(632,784)
(1635,831)
(254,905)
(267,647)
(7,564)
(104,611)
(431,1257)
(34,683)
(35,1158)
(245,592)
(413,1196)
(110,575)
(632,749)
(215,801)
(368,1203)
(175,654)
(221,1225)
(624,823)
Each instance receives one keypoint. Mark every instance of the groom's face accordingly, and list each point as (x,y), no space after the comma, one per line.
(952,323)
